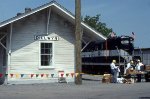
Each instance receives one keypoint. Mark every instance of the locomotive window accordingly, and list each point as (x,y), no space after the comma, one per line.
(125,42)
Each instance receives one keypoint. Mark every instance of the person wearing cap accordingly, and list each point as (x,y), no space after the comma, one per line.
(114,70)
(138,68)
(129,65)
(138,65)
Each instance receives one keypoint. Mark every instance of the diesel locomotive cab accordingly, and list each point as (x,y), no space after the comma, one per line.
(120,42)
(97,56)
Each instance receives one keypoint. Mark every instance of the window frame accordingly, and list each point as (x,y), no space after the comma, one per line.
(50,66)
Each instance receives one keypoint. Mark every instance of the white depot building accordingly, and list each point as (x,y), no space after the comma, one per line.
(40,43)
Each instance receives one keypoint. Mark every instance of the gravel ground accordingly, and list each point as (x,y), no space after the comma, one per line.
(91,88)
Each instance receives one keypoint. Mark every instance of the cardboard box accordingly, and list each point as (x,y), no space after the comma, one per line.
(147,68)
(130,71)
(107,78)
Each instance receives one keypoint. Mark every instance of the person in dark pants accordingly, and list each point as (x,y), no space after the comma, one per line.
(114,71)
(139,77)
(138,68)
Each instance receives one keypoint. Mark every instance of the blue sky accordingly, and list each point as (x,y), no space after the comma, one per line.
(123,16)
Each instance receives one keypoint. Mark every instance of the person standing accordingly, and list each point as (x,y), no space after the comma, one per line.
(114,70)
(118,72)
(129,65)
(138,68)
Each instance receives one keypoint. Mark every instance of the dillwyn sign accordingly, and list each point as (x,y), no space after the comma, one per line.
(46,38)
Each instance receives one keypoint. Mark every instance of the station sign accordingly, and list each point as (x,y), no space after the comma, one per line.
(46,38)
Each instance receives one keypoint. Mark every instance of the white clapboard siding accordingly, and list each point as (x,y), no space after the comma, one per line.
(64,48)
(25,50)
(24,57)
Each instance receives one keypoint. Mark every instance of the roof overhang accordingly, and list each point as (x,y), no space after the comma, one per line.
(63,12)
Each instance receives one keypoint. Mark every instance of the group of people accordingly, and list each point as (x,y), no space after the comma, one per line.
(130,65)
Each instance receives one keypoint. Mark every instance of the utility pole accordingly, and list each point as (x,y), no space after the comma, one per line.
(78,68)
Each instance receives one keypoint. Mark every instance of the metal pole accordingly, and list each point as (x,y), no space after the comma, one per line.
(118,54)
(119,57)
(141,54)
(78,68)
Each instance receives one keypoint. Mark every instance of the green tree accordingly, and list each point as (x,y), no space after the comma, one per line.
(95,23)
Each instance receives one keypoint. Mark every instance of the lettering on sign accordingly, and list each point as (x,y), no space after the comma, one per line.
(46,38)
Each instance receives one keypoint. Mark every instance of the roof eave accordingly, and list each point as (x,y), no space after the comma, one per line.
(44,7)
(82,23)
(24,15)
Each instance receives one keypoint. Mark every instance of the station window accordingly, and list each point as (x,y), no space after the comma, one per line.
(46,54)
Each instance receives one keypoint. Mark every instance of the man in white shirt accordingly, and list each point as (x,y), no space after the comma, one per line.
(129,65)
(114,70)
(138,65)
(138,68)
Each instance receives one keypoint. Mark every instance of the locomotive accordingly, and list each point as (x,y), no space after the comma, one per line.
(97,56)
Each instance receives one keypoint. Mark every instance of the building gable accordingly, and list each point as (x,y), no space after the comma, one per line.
(62,11)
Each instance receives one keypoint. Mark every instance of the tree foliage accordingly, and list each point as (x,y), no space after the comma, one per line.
(95,23)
